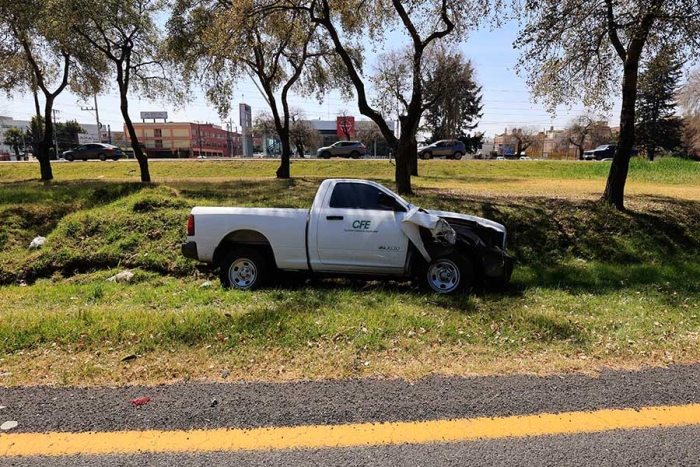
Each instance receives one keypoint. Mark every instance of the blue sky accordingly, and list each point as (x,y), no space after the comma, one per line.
(506,98)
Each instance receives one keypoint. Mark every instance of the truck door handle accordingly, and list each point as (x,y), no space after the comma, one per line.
(334,218)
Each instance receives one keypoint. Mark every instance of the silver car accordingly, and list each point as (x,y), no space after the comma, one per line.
(353,149)
(449,149)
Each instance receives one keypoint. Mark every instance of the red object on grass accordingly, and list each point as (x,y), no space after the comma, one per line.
(141,400)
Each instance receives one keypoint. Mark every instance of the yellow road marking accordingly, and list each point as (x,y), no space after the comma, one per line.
(333,436)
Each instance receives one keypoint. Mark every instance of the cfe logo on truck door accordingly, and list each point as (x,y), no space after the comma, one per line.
(364,225)
(361,226)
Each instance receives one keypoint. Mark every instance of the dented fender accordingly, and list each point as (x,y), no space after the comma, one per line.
(439,227)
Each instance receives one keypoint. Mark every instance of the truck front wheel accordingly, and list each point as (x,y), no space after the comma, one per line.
(448,274)
(244,269)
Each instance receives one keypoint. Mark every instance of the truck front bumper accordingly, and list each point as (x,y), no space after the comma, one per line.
(498,267)
(189,250)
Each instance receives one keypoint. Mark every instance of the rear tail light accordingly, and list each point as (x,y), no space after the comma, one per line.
(190,226)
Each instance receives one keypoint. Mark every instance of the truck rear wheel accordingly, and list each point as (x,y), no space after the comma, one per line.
(448,274)
(244,269)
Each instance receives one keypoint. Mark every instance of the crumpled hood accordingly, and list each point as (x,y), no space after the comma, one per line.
(479,220)
(416,218)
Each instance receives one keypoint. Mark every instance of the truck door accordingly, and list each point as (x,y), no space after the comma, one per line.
(355,233)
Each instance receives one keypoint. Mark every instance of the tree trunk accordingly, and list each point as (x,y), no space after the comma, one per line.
(46,143)
(135,145)
(651,153)
(614,193)
(403,166)
(283,170)
(413,153)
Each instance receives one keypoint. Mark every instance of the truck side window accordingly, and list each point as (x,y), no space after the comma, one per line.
(356,196)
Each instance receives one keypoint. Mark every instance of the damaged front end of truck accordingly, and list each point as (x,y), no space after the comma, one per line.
(480,242)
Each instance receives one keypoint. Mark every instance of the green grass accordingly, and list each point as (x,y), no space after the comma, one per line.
(666,170)
(593,287)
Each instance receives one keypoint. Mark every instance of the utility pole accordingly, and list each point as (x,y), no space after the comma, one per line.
(244,133)
(229,140)
(199,138)
(109,133)
(544,138)
(55,139)
(97,119)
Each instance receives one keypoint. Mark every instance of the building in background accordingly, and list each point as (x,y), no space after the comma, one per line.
(91,134)
(185,140)
(7,123)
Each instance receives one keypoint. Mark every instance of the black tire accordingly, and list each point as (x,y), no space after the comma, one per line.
(326,155)
(102,157)
(244,269)
(426,155)
(69,157)
(448,274)
(457,156)
(355,155)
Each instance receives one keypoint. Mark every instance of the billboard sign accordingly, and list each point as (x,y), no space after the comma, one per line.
(245,116)
(345,126)
(86,138)
(154,115)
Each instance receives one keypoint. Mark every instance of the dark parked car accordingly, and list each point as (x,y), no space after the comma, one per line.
(353,149)
(601,152)
(94,151)
(450,149)
(606,151)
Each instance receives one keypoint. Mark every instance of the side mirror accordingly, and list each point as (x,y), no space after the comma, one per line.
(389,202)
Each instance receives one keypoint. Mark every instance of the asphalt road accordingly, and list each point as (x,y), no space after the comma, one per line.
(257,405)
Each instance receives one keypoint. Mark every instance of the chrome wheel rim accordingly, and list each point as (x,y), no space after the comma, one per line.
(443,276)
(242,273)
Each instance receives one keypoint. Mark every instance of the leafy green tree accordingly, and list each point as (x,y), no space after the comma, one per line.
(451,101)
(656,105)
(39,53)
(124,34)
(454,100)
(349,23)
(15,138)
(67,134)
(576,50)
(220,42)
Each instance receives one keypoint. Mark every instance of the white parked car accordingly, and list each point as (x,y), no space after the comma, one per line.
(354,228)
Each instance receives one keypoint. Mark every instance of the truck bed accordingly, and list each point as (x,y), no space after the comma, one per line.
(285,228)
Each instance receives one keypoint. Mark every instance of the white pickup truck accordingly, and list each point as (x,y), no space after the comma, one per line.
(354,228)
